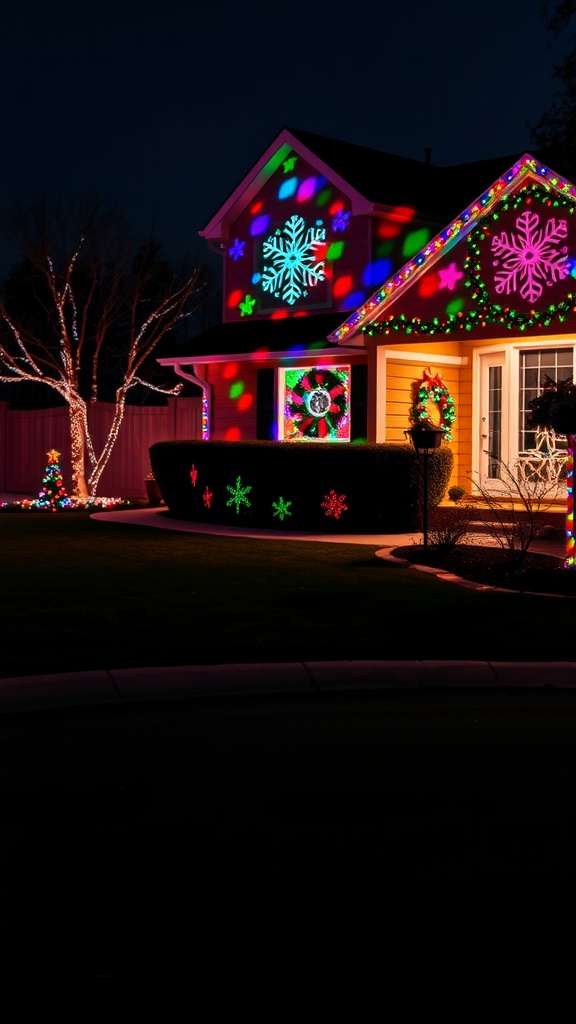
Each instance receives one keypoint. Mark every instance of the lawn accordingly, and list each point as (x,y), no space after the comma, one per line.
(84,594)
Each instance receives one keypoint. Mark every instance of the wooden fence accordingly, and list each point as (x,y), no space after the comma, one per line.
(27,435)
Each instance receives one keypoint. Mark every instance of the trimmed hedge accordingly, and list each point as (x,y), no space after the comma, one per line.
(276,485)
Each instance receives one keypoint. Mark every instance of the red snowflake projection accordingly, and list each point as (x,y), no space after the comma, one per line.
(193,475)
(334,504)
(207,498)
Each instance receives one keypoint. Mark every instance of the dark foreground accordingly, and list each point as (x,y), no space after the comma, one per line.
(227,841)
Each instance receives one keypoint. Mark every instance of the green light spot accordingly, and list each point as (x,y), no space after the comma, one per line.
(335,251)
(236,389)
(415,241)
(323,197)
(455,306)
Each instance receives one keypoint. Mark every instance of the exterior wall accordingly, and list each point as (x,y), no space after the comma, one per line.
(235,398)
(357,253)
(28,434)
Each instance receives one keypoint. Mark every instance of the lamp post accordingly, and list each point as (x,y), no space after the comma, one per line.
(424,440)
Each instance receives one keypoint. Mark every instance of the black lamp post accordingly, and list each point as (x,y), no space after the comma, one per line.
(424,439)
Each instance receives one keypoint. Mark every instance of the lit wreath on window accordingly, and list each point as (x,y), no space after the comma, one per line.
(434,405)
(317,404)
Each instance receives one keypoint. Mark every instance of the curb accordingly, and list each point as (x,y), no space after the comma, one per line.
(121,686)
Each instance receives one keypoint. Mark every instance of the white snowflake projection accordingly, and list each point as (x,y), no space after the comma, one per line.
(532,258)
(295,266)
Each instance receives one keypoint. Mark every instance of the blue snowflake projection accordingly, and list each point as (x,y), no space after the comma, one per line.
(238,495)
(530,259)
(281,508)
(247,306)
(236,250)
(293,252)
(334,504)
(340,221)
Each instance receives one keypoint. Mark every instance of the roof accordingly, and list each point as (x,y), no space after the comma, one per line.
(374,179)
(250,339)
(527,167)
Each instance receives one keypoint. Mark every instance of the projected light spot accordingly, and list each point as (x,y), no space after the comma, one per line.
(376,273)
(236,389)
(415,241)
(245,402)
(260,225)
(232,434)
(287,188)
(456,306)
(307,189)
(342,286)
(323,197)
(335,251)
(230,370)
(428,286)
(234,298)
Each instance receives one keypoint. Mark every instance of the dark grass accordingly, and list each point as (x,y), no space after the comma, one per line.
(79,594)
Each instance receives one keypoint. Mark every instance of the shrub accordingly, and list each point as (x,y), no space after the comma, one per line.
(372,488)
(456,493)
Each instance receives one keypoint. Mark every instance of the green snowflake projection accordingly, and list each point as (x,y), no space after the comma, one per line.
(294,264)
(281,508)
(238,495)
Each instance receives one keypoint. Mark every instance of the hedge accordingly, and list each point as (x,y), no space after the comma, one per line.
(363,488)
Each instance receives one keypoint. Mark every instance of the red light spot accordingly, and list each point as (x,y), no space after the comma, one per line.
(256,208)
(342,286)
(280,314)
(336,207)
(428,285)
(234,298)
(244,402)
(387,230)
(230,370)
(232,434)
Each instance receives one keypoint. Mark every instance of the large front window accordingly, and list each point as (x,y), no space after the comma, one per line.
(535,366)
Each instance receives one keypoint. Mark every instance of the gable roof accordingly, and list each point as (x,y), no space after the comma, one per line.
(374,180)
(528,167)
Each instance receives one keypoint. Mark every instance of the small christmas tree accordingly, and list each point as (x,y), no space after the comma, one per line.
(53,494)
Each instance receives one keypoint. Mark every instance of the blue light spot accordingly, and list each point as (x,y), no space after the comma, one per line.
(353,300)
(260,224)
(287,188)
(256,278)
(376,273)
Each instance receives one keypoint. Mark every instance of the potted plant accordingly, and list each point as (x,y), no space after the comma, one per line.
(456,493)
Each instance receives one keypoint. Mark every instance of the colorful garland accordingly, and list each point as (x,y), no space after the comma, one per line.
(433,389)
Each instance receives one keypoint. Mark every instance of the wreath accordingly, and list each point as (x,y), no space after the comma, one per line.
(433,406)
(317,404)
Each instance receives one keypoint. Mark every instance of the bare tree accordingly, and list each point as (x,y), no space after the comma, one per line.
(87,309)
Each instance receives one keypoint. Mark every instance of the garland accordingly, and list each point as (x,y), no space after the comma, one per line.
(488,312)
(433,389)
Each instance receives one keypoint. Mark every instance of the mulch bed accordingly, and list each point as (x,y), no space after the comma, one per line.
(538,573)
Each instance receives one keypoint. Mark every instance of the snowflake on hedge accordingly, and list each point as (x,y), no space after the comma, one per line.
(292,252)
(434,406)
(316,405)
(335,504)
(238,495)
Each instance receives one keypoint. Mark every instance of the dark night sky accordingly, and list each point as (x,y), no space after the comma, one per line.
(163,108)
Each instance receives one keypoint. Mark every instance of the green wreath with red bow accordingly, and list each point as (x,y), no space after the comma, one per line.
(434,406)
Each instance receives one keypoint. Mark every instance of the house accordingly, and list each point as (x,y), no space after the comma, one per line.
(357,284)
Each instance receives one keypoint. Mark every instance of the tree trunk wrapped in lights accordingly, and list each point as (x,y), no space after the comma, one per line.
(86,320)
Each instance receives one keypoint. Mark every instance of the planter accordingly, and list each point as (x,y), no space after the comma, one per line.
(424,439)
(153,493)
